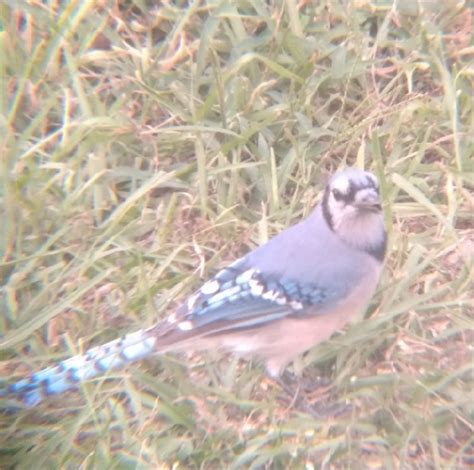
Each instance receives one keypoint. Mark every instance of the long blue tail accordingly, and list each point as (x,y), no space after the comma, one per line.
(68,374)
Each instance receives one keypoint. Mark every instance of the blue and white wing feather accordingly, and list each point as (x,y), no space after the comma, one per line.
(240,296)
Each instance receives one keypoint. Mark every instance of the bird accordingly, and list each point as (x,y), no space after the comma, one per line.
(272,304)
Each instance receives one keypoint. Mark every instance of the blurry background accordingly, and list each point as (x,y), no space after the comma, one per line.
(147,144)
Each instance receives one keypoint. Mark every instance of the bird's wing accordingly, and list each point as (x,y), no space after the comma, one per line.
(240,296)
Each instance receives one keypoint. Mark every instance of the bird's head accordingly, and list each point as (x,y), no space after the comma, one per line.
(352,209)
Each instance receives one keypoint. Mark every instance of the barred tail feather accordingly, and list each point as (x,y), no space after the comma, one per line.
(68,374)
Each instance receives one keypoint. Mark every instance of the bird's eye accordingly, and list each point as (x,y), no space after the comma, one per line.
(338,195)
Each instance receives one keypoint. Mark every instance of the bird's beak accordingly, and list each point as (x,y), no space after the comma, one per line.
(369,203)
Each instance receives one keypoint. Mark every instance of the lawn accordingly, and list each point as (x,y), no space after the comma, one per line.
(144,145)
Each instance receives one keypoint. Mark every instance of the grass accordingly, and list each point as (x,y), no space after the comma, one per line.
(145,145)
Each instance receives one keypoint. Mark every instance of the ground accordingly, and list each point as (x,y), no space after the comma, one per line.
(147,144)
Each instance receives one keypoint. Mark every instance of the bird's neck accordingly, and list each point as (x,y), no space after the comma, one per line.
(364,232)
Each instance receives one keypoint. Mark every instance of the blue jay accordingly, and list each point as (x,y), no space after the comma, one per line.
(274,303)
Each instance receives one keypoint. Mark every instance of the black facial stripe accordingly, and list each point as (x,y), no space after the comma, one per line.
(349,196)
(325,206)
(371,184)
(378,251)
